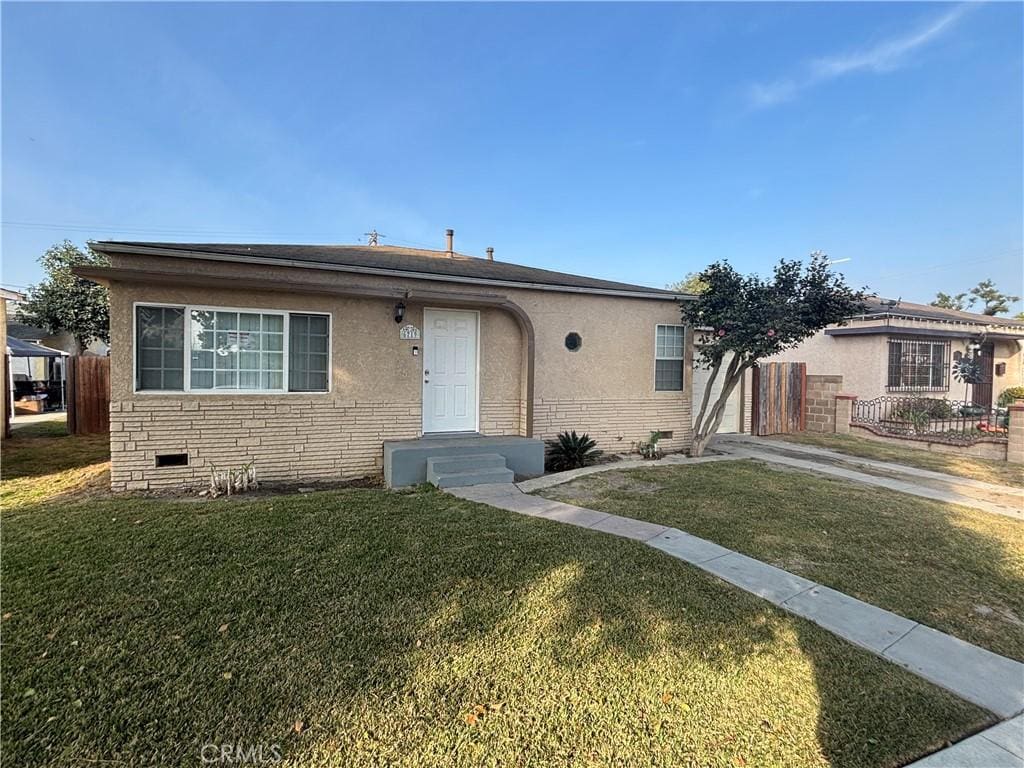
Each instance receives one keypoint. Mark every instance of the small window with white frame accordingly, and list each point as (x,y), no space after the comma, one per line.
(669,348)
(214,349)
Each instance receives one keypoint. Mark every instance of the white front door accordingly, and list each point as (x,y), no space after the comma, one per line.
(449,370)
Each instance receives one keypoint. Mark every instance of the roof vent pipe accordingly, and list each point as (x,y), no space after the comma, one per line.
(490,254)
(449,236)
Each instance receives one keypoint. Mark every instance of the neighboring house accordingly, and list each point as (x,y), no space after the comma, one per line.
(62,340)
(306,359)
(898,348)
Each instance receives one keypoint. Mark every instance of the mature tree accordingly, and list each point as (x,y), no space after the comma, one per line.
(743,319)
(65,302)
(689,284)
(992,299)
(959,302)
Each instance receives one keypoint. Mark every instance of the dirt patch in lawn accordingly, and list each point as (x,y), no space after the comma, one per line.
(593,487)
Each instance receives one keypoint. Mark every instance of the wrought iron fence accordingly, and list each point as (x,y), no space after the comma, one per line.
(948,421)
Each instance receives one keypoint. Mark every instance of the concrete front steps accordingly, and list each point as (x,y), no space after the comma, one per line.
(468,469)
(474,456)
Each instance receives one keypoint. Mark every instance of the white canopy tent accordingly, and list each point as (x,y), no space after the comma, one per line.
(30,364)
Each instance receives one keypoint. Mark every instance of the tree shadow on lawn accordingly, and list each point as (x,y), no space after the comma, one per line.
(46,448)
(952,568)
(418,629)
(42,463)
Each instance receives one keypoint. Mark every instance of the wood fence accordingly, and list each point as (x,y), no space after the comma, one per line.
(88,392)
(779,391)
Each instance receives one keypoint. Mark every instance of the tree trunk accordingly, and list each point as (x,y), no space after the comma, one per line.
(705,428)
(707,394)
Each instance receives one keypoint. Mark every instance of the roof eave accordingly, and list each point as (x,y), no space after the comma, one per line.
(108,248)
(899,330)
(941,319)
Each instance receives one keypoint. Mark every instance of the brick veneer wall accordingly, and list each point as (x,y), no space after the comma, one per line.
(310,439)
(616,425)
(290,439)
(820,402)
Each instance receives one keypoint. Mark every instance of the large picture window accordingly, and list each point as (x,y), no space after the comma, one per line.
(915,364)
(670,343)
(210,349)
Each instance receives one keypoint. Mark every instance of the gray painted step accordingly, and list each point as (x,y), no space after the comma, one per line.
(405,461)
(446,465)
(473,477)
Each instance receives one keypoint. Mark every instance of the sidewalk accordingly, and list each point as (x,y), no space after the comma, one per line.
(984,678)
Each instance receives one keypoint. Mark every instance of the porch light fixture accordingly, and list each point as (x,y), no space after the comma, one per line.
(399,311)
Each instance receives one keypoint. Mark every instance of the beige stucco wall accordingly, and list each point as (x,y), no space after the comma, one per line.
(862,361)
(606,388)
(993,450)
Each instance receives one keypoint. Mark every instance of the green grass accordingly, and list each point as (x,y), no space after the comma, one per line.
(950,567)
(414,629)
(1000,472)
(42,462)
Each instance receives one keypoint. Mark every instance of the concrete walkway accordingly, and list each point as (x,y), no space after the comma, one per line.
(25,420)
(986,497)
(1001,746)
(993,682)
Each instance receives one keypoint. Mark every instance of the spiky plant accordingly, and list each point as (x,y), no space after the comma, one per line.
(570,451)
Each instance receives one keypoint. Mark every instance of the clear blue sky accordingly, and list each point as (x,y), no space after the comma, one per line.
(631,142)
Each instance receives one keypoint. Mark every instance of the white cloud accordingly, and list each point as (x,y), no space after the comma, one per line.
(886,56)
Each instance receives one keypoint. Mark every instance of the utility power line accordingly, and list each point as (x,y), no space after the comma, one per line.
(950,264)
(97,230)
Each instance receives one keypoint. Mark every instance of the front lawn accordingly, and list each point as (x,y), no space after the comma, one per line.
(950,567)
(1001,472)
(366,628)
(41,462)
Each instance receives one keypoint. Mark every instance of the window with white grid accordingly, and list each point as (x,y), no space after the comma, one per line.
(670,343)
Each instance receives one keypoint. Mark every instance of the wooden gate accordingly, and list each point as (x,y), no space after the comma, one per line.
(88,388)
(779,390)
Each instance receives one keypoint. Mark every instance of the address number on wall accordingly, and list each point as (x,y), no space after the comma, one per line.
(409,332)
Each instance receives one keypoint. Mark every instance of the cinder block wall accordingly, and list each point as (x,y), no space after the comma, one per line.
(821,402)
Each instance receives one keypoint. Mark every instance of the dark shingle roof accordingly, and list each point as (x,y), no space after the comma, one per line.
(28,332)
(880,307)
(384,257)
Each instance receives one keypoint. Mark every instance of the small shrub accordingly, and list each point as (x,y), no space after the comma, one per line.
(570,451)
(922,409)
(233,480)
(1007,396)
(650,449)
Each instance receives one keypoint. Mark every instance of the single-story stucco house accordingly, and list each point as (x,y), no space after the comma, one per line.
(328,362)
(896,348)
